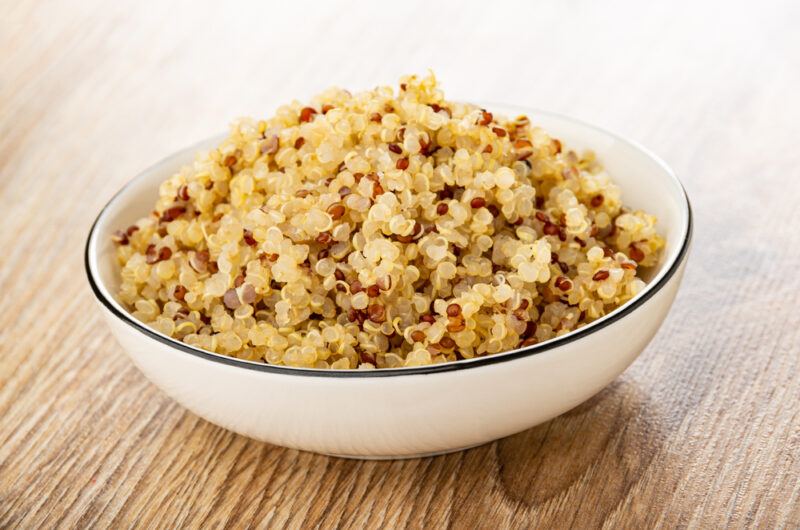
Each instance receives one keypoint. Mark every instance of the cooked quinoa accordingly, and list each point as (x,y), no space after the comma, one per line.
(383,229)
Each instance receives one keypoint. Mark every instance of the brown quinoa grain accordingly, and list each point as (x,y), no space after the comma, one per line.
(183,193)
(635,253)
(120,238)
(336,211)
(453,310)
(478,202)
(456,325)
(179,293)
(291,234)
(447,343)
(170,214)
(550,229)
(307,114)
(367,357)
(563,283)
(376,313)
(249,239)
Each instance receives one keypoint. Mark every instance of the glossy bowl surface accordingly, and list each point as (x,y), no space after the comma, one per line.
(406,412)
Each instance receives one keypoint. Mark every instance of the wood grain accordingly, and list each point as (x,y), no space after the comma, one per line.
(702,431)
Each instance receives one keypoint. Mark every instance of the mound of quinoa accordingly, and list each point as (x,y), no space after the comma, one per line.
(383,229)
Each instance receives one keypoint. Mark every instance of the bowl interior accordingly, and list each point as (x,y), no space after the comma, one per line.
(129,205)
(646,182)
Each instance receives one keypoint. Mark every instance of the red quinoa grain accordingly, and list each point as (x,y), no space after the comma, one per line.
(292,231)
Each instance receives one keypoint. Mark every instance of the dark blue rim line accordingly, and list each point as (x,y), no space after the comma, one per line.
(392,372)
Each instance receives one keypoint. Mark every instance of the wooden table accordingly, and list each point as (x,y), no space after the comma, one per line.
(702,431)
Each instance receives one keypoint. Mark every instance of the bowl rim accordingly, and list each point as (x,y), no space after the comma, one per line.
(655,285)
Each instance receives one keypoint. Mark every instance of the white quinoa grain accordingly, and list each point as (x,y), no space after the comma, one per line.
(380,230)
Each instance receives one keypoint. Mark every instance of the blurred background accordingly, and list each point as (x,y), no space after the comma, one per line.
(111,87)
(168,73)
(705,423)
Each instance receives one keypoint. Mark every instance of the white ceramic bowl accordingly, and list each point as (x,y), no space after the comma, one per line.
(407,412)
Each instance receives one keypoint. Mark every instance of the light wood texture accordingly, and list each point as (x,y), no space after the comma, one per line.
(702,431)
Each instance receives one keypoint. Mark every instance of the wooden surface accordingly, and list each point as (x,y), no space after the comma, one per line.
(702,431)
